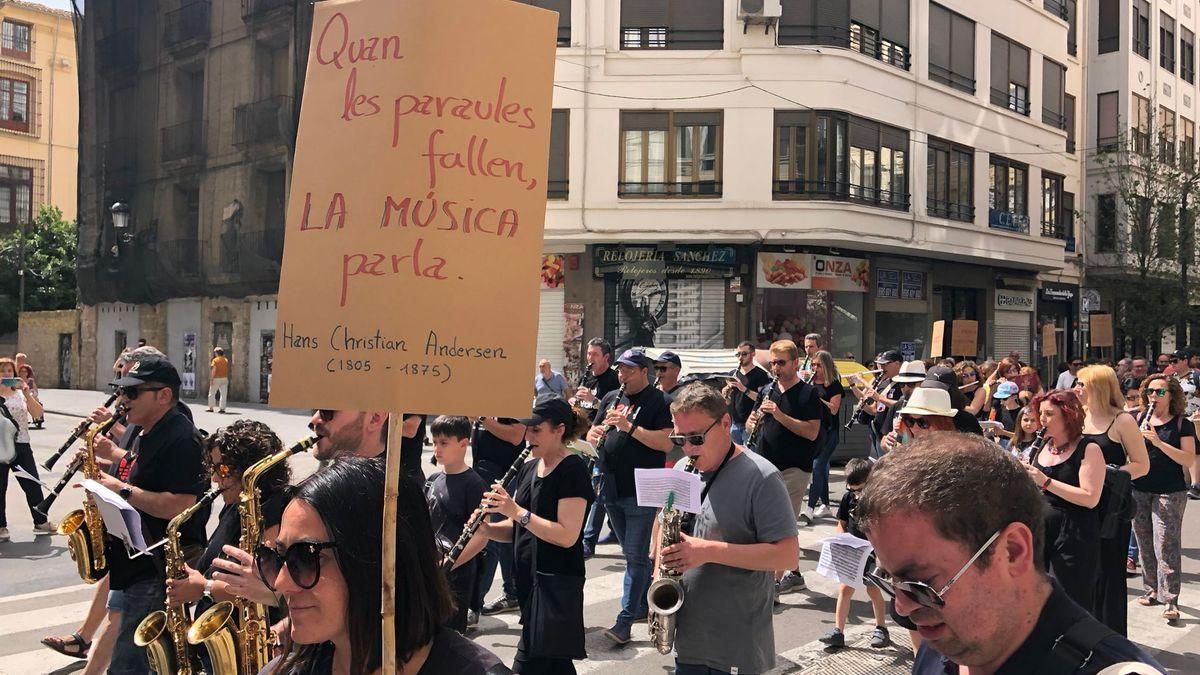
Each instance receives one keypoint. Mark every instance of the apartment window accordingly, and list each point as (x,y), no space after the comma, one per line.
(1010,75)
(951,49)
(1054,82)
(563,7)
(1072,19)
(672,24)
(16,195)
(1008,193)
(1068,220)
(1140,129)
(1141,28)
(1108,37)
(1166,42)
(670,154)
(1107,110)
(560,141)
(1166,133)
(1165,236)
(950,177)
(15,40)
(1069,102)
(1187,140)
(14,104)
(1052,206)
(1187,55)
(876,28)
(1106,223)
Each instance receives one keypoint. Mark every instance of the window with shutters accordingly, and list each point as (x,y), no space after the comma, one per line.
(1166,133)
(15,40)
(951,49)
(16,195)
(670,154)
(1106,223)
(1072,20)
(1107,126)
(1069,111)
(1054,82)
(1166,42)
(672,24)
(560,141)
(875,28)
(1008,192)
(1187,140)
(950,178)
(1165,233)
(1052,206)
(1187,55)
(1010,75)
(1108,35)
(563,7)
(1141,28)
(1139,131)
(1068,221)
(14,104)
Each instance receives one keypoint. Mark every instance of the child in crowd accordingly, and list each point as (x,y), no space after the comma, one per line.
(453,495)
(1027,427)
(857,472)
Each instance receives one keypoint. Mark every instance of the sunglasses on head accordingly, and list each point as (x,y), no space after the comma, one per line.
(325,415)
(1157,392)
(302,559)
(911,421)
(678,440)
(920,592)
(132,393)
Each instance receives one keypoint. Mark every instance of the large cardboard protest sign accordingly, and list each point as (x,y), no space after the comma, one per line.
(937,340)
(964,337)
(1102,330)
(414,225)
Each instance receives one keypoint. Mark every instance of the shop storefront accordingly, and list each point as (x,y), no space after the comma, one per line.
(801,293)
(902,317)
(1012,327)
(666,296)
(1058,306)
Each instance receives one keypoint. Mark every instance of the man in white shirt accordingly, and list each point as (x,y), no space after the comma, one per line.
(1066,379)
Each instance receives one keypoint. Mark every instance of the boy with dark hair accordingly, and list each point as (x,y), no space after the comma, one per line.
(857,472)
(453,495)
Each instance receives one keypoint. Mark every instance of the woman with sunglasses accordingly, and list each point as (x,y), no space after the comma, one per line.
(326,563)
(1121,443)
(926,411)
(972,386)
(544,518)
(828,383)
(1070,472)
(1161,495)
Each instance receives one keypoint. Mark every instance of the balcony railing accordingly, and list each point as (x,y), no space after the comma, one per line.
(707,188)
(1057,8)
(117,53)
(951,210)
(1014,101)
(183,141)
(265,121)
(842,192)
(665,37)
(1108,143)
(182,256)
(949,78)
(1007,220)
(859,37)
(262,244)
(556,189)
(257,9)
(1054,118)
(188,25)
(1054,229)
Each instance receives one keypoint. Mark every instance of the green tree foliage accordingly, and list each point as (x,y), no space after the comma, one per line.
(50,244)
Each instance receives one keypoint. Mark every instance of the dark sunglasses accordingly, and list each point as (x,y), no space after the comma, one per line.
(695,439)
(325,415)
(1157,392)
(744,354)
(1174,360)
(132,393)
(920,592)
(660,369)
(910,421)
(303,561)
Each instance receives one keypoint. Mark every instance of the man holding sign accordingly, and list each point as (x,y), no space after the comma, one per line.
(745,529)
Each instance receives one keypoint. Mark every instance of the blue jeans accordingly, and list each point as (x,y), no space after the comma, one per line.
(595,516)
(1133,548)
(738,432)
(819,490)
(140,599)
(693,669)
(498,553)
(633,526)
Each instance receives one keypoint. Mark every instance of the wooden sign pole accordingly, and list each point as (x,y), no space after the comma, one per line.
(391,492)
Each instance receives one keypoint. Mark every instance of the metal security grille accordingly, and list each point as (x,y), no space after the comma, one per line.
(1012,333)
(551,325)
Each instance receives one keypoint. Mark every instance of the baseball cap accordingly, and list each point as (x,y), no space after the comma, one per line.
(1005,389)
(153,369)
(890,356)
(549,408)
(636,357)
(1181,354)
(942,374)
(669,357)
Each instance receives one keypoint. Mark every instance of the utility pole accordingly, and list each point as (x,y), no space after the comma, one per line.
(21,267)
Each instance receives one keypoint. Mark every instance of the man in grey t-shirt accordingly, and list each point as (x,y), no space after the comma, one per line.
(746,529)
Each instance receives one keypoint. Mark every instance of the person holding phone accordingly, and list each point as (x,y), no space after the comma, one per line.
(19,406)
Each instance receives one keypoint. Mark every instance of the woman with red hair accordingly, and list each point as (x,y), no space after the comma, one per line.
(1070,472)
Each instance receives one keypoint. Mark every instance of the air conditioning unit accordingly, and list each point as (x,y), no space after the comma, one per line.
(760,11)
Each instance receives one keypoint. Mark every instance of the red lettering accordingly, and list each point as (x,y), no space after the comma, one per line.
(354,103)
(337,209)
(343,27)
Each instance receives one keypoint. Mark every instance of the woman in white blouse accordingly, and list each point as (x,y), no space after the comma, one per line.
(20,404)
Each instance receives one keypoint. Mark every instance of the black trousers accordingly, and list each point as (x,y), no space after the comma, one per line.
(1110,604)
(527,665)
(33,491)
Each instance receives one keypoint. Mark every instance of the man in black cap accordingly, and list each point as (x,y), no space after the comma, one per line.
(883,394)
(161,474)
(634,429)
(667,367)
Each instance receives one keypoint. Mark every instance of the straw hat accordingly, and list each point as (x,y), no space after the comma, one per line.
(911,371)
(929,401)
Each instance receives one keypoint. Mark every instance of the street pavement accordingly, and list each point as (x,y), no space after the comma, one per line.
(41,594)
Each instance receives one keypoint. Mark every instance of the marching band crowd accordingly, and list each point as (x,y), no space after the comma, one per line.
(1004,516)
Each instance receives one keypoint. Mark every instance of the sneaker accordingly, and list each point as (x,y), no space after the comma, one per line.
(472,617)
(822,511)
(499,605)
(4,534)
(1194,492)
(618,634)
(806,516)
(45,528)
(208,410)
(587,551)
(834,638)
(789,583)
(880,638)
(1131,567)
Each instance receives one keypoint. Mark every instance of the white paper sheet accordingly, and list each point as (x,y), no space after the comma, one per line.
(843,559)
(120,519)
(654,485)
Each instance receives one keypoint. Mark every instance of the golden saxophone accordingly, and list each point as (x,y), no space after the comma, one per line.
(85,527)
(237,634)
(164,633)
(665,595)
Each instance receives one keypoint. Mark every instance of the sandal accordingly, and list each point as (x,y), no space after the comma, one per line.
(1171,613)
(1148,601)
(75,646)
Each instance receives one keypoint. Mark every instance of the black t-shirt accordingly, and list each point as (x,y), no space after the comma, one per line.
(1166,475)
(229,531)
(1007,417)
(779,445)
(166,459)
(967,423)
(570,478)
(623,453)
(411,449)
(450,653)
(452,498)
(881,416)
(601,385)
(845,513)
(491,455)
(742,405)
(826,392)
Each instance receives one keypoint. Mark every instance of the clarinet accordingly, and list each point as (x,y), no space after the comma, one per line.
(477,518)
(80,430)
(1035,446)
(757,432)
(608,427)
(44,507)
(861,406)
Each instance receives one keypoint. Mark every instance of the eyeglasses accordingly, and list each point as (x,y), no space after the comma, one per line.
(1174,360)
(920,592)
(744,354)
(660,369)
(911,421)
(1157,392)
(1076,364)
(325,415)
(131,393)
(222,470)
(303,561)
(779,362)
(967,373)
(694,439)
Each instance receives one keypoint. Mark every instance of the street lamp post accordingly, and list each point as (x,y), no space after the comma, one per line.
(21,268)
(120,219)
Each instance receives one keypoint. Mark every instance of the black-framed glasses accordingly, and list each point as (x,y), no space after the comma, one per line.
(744,354)
(920,592)
(660,369)
(911,421)
(302,559)
(678,440)
(131,393)
(325,415)
(1157,392)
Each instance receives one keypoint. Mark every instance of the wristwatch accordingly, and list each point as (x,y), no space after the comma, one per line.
(524,520)
(126,492)
(208,589)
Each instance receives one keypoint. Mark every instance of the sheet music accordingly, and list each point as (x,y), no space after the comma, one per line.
(654,485)
(120,519)
(843,559)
